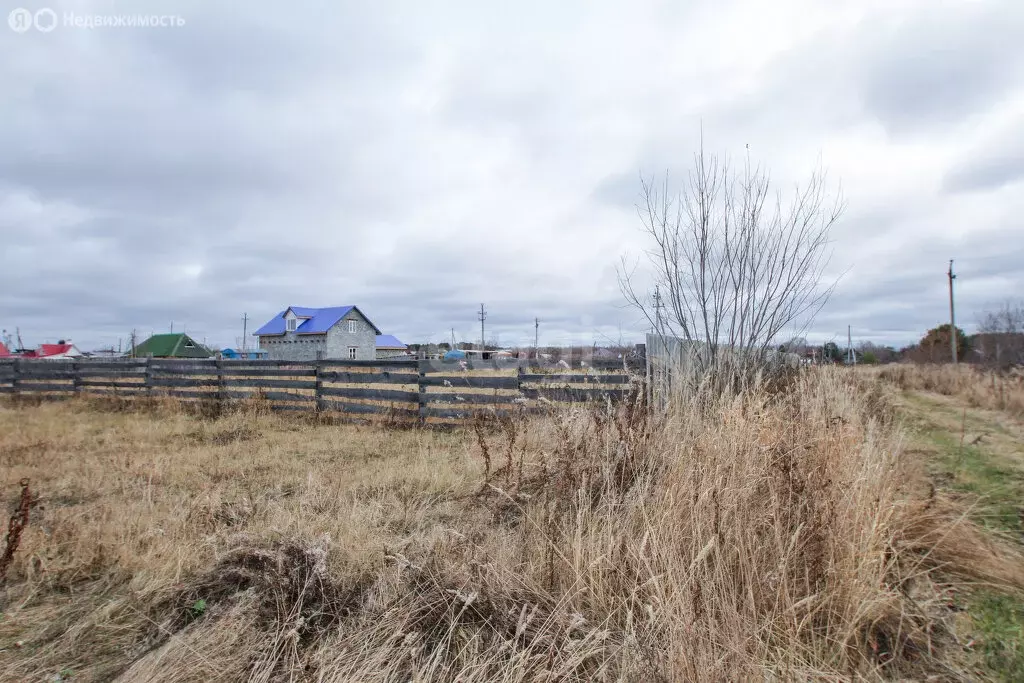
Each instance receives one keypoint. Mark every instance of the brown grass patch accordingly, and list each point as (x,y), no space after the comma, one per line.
(779,535)
(978,388)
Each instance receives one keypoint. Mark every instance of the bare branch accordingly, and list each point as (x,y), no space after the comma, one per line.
(737,263)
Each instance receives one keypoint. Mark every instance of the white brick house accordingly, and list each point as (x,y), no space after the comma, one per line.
(337,333)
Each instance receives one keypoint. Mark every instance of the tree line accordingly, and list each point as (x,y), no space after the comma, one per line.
(999,342)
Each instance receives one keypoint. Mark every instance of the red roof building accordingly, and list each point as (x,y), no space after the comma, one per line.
(4,353)
(58,351)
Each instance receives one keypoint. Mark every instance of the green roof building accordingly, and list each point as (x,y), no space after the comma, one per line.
(176,345)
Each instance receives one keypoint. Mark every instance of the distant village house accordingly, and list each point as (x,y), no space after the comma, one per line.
(62,350)
(388,346)
(173,345)
(336,333)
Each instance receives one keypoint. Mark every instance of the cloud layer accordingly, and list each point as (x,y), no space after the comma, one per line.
(417,160)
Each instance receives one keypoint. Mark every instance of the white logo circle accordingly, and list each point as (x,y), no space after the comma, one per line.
(45,20)
(19,20)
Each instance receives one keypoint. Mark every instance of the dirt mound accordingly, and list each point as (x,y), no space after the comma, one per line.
(290,584)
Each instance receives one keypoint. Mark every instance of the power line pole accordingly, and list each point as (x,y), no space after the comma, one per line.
(134,339)
(952,316)
(483,316)
(245,329)
(536,335)
(658,305)
(850,358)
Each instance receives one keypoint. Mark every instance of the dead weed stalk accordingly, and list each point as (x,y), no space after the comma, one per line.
(15,527)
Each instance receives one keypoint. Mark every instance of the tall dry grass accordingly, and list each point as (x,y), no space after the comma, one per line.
(772,536)
(978,387)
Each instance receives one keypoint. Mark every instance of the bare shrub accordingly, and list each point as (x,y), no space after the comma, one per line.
(1000,339)
(778,539)
(734,264)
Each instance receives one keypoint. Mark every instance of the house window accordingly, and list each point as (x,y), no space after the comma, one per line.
(189,345)
(290,324)
(351,326)
(352,352)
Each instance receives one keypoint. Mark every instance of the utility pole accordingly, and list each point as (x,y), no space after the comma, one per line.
(134,339)
(850,358)
(657,309)
(245,329)
(536,336)
(483,316)
(453,339)
(952,316)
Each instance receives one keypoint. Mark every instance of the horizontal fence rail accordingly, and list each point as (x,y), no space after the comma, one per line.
(428,392)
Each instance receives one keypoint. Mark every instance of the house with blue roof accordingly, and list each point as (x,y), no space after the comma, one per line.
(388,346)
(336,333)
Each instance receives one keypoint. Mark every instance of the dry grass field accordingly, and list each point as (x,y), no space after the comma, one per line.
(1002,391)
(825,532)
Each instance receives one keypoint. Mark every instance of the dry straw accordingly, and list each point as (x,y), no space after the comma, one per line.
(776,535)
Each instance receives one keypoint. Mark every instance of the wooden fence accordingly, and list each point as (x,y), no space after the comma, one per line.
(421,391)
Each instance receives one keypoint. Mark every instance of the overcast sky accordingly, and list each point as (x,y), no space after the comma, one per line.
(419,158)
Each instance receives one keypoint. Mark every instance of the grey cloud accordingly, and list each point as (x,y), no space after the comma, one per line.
(996,164)
(990,173)
(945,63)
(619,189)
(417,161)
(928,66)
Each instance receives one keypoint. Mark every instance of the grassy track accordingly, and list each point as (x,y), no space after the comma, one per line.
(978,456)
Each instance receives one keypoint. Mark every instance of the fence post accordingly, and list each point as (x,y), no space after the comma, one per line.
(421,366)
(16,370)
(519,390)
(649,377)
(222,388)
(148,381)
(318,387)
(74,377)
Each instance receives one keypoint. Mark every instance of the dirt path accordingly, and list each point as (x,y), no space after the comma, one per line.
(977,456)
(998,433)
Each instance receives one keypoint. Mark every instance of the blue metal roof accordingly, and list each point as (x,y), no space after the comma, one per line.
(319,320)
(247,354)
(389,341)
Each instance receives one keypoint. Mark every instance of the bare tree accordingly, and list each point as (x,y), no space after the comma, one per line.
(878,352)
(1000,338)
(734,262)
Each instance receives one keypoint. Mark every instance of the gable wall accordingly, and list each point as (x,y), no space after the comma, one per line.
(339,339)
